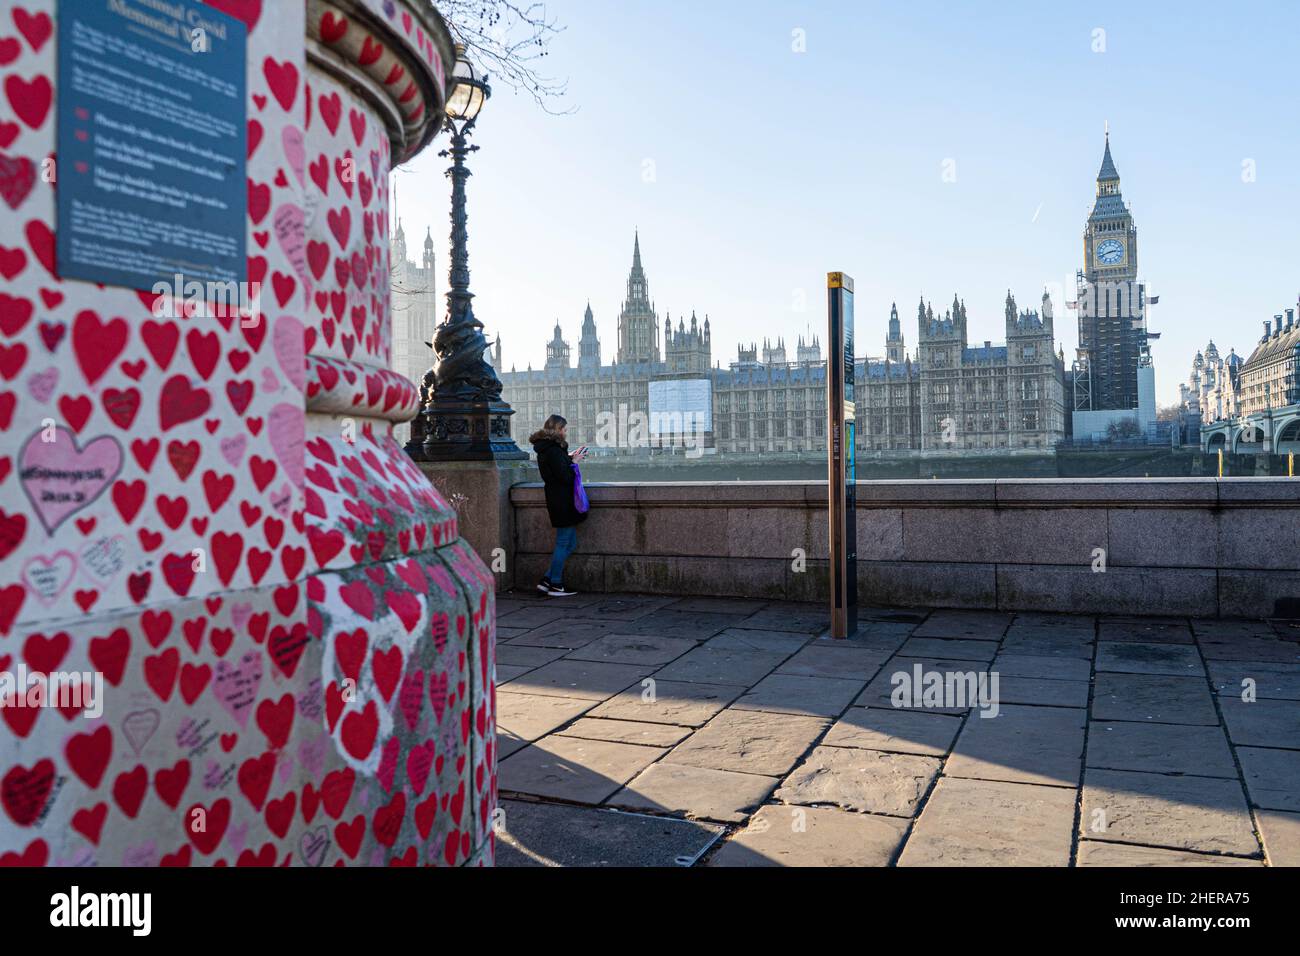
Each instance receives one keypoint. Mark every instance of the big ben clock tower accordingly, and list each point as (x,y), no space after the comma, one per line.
(1112,303)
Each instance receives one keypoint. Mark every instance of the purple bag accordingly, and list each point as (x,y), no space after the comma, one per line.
(580,502)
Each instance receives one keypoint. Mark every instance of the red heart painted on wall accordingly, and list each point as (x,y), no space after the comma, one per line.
(35,27)
(179,402)
(207,826)
(17,177)
(23,791)
(282,78)
(29,99)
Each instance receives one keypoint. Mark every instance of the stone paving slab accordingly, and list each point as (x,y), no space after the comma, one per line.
(711,664)
(716,605)
(624,607)
(1097,853)
(791,694)
(586,679)
(1160,748)
(949,650)
(1140,631)
(533,615)
(1262,723)
(1009,664)
(682,624)
(1287,630)
(755,639)
(976,625)
(879,635)
(1022,744)
(894,731)
(508,672)
(549,834)
(1154,698)
(1229,629)
(992,823)
(1281,835)
(750,741)
(803,618)
(880,691)
(622,648)
(530,716)
(871,614)
(565,633)
(1183,813)
(579,771)
(699,792)
(866,781)
(521,655)
(626,732)
(1272,777)
(1054,619)
(508,742)
(1269,679)
(1173,659)
(1049,642)
(804,836)
(673,702)
(1044,692)
(821,659)
(1251,649)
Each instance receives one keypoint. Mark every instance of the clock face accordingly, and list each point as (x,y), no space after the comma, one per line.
(1110,252)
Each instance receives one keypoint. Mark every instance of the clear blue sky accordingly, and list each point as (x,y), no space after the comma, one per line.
(772,167)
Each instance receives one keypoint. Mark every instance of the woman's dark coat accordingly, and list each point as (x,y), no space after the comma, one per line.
(557,472)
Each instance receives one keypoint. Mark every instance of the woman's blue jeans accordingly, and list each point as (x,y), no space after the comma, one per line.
(566,539)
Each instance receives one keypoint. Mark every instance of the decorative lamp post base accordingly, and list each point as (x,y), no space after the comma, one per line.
(468,431)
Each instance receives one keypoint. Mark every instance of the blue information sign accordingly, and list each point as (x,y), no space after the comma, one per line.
(151,143)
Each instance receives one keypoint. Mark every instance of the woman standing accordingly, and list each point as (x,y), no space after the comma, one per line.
(556,465)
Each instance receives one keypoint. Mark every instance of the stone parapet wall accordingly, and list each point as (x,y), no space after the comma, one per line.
(1195,546)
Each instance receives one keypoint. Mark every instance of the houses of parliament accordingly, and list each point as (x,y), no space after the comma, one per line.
(948,395)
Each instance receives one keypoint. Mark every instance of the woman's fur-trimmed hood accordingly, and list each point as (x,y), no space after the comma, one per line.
(545,435)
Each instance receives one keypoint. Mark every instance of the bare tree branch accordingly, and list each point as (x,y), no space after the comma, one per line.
(509,41)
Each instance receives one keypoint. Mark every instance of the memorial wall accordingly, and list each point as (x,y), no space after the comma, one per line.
(237,625)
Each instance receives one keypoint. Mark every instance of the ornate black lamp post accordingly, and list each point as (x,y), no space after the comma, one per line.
(463,417)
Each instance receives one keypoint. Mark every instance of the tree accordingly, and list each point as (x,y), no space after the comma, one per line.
(508,41)
(1123,430)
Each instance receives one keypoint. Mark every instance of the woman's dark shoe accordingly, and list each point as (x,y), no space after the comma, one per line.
(544,585)
(558,590)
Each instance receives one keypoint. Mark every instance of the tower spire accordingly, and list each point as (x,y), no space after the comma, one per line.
(1108,172)
(636,250)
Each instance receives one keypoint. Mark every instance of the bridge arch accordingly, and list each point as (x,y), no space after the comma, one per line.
(1288,436)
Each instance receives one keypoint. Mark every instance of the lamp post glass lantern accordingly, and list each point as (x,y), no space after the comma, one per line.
(463,417)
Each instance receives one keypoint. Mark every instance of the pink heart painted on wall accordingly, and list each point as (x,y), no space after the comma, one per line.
(295,152)
(61,479)
(236,686)
(41,385)
(288,342)
(285,429)
(291,233)
(48,578)
(232,449)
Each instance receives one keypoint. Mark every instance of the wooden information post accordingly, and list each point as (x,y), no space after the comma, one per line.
(840,427)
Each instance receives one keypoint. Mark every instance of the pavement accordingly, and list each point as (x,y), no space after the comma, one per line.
(652,731)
